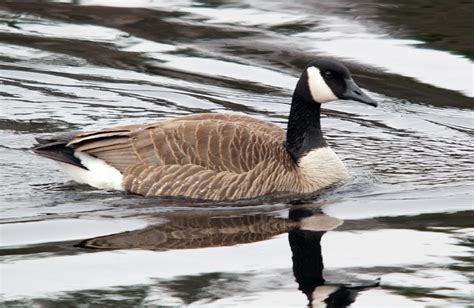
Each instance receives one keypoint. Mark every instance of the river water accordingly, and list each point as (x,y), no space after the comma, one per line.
(405,217)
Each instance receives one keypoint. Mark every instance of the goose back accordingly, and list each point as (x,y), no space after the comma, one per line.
(220,142)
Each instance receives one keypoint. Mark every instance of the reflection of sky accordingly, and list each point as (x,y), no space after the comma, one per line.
(406,203)
(350,39)
(337,36)
(439,68)
(46,231)
(334,35)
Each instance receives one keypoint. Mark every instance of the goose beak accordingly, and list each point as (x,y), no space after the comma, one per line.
(353,92)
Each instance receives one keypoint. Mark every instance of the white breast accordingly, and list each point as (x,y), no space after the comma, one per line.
(100,174)
(322,167)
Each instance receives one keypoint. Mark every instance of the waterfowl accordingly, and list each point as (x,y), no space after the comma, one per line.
(216,156)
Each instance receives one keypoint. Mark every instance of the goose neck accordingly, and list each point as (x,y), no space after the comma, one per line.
(304,127)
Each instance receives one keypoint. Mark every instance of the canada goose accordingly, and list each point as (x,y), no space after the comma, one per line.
(213,156)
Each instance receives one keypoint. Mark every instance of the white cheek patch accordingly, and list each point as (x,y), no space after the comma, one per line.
(318,88)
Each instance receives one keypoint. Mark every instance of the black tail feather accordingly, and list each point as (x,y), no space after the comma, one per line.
(56,150)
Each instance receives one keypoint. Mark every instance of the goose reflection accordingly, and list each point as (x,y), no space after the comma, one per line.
(305,243)
(305,228)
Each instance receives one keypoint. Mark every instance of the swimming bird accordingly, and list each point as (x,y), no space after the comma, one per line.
(216,156)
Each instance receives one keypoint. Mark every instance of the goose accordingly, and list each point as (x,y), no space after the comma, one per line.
(216,156)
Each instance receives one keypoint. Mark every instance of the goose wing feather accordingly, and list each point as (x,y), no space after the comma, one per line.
(214,141)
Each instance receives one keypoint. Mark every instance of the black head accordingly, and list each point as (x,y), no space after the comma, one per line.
(328,80)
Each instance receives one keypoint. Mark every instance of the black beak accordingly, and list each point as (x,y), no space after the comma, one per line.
(353,92)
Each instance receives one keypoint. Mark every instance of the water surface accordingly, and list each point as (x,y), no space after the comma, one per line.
(405,216)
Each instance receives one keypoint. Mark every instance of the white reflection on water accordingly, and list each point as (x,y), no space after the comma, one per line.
(214,67)
(407,58)
(375,297)
(407,203)
(351,39)
(27,233)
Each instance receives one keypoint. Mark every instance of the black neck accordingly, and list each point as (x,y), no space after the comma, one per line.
(304,127)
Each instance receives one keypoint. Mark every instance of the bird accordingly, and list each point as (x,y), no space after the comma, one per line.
(216,156)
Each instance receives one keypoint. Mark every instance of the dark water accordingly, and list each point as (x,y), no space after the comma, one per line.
(406,215)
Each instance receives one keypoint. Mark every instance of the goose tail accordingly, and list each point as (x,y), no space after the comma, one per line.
(56,149)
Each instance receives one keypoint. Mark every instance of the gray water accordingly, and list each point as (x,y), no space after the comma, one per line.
(405,216)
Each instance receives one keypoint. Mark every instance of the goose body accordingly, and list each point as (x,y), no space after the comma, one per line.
(212,156)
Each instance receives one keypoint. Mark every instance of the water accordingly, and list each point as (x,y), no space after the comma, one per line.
(405,216)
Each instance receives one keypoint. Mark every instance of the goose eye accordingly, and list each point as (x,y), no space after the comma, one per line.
(328,74)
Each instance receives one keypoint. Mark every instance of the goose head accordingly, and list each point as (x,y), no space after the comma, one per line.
(326,80)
